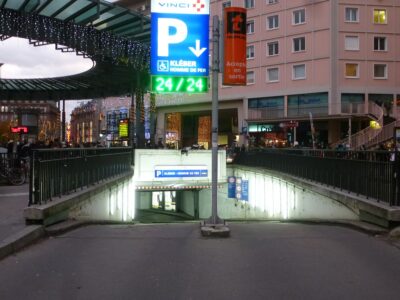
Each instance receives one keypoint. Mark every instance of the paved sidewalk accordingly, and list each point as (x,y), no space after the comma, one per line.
(13,200)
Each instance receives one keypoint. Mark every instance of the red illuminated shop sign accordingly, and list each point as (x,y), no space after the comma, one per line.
(19,129)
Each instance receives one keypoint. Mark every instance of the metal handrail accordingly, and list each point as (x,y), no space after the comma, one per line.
(362,137)
(57,172)
(371,174)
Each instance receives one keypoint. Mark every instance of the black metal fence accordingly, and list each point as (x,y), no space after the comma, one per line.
(368,173)
(8,160)
(57,172)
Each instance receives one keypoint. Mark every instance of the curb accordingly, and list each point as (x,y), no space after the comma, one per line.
(367,228)
(20,240)
(33,233)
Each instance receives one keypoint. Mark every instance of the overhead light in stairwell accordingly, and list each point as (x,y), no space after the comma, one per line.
(374,125)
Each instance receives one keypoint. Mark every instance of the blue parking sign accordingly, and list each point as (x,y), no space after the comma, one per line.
(179,38)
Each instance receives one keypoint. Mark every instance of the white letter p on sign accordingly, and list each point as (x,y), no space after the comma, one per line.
(164,38)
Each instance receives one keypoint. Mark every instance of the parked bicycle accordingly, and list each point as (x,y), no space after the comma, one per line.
(16,175)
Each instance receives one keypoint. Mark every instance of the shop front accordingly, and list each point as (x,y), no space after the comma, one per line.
(193,129)
(267,135)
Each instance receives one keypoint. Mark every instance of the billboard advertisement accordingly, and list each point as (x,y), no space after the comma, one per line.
(123,128)
(234,46)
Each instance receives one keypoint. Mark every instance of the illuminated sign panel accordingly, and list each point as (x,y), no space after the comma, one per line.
(179,38)
(182,84)
(19,129)
(180,171)
(123,128)
(234,46)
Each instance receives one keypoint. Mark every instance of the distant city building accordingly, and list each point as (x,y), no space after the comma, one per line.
(97,121)
(84,124)
(115,109)
(40,120)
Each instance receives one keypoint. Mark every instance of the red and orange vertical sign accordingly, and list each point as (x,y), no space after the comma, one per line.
(234,46)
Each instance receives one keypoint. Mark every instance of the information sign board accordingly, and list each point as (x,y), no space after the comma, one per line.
(179,37)
(231,186)
(123,128)
(180,171)
(234,46)
(179,84)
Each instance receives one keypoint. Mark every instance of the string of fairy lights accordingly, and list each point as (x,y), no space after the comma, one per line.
(99,45)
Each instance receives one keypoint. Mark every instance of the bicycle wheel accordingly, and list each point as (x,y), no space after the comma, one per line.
(16,176)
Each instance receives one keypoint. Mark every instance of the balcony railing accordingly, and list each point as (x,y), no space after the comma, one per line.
(306,110)
(301,111)
(265,113)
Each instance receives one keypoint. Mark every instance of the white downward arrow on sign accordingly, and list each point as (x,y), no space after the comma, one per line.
(198,51)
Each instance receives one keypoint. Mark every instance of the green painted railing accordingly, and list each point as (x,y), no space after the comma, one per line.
(58,172)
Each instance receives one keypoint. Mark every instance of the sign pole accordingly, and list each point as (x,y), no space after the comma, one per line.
(215,226)
(214,137)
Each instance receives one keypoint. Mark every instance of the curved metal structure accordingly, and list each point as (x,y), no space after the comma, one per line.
(116,38)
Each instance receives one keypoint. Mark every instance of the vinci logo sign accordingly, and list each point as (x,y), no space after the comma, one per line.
(179,37)
(193,7)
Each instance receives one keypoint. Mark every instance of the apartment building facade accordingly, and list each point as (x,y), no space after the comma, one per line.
(316,71)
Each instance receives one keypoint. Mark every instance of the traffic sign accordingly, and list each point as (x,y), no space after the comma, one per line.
(179,37)
(180,171)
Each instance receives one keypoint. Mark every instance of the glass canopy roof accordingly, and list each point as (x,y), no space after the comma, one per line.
(102,15)
(130,29)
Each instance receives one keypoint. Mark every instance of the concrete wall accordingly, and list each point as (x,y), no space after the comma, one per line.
(146,161)
(187,204)
(116,203)
(270,198)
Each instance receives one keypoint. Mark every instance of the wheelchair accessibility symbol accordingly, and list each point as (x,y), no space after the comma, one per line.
(162,65)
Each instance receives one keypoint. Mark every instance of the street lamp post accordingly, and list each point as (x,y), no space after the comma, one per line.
(215,226)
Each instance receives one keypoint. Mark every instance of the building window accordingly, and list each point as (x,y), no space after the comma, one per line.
(380,16)
(273,22)
(250,52)
(249,3)
(273,74)
(380,71)
(226,4)
(250,77)
(299,17)
(380,43)
(351,14)
(299,72)
(352,43)
(272,1)
(352,70)
(273,48)
(299,44)
(250,27)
